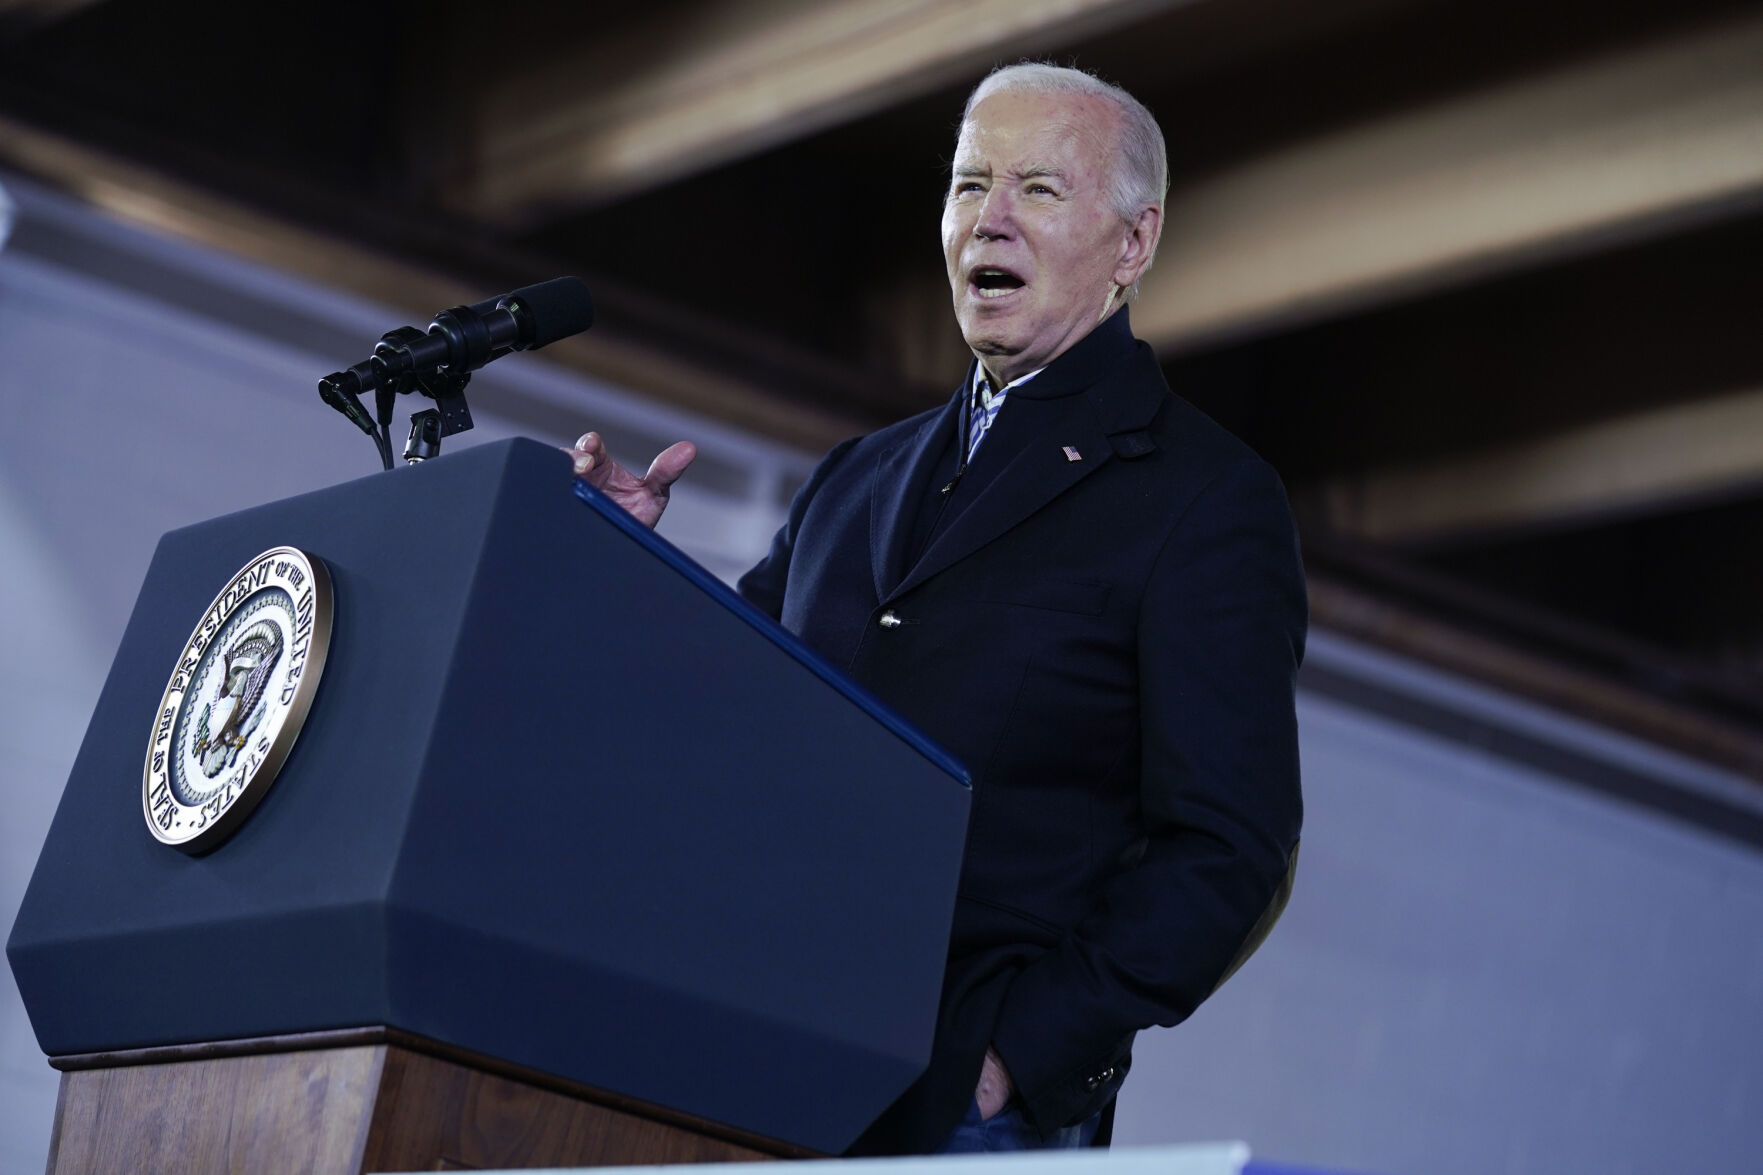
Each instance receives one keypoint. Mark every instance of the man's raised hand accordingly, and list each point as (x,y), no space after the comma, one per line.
(643,498)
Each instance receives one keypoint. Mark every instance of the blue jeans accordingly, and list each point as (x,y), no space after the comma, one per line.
(1006,1131)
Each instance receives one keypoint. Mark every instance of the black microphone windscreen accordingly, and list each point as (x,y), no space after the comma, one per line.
(557,309)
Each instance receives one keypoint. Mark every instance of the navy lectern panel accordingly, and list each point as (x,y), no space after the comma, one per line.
(560,800)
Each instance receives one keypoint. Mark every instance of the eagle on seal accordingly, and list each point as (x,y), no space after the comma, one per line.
(246,669)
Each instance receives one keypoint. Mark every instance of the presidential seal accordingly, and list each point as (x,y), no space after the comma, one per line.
(237,699)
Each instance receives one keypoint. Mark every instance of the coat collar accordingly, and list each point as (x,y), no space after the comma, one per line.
(1086,361)
(1107,389)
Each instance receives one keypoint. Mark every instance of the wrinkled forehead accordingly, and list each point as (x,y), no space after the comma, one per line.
(1011,131)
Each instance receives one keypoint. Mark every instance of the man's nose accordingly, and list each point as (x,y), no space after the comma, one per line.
(996,217)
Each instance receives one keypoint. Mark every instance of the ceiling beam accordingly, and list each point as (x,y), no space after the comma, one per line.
(1379,618)
(143,196)
(715,80)
(1619,148)
(1698,451)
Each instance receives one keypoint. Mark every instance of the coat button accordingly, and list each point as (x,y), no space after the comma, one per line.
(1095,1082)
(889,619)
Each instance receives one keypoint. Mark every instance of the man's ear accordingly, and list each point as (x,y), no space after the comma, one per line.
(1138,246)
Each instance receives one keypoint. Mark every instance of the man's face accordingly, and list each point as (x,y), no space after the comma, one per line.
(1034,246)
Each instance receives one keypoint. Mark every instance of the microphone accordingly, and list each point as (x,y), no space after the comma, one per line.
(465,338)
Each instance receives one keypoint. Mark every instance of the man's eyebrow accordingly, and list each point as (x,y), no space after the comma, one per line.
(1031,172)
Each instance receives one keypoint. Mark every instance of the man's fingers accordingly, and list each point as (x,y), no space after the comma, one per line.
(669,464)
(643,498)
(587,452)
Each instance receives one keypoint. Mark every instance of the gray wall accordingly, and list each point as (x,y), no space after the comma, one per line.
(1487,967)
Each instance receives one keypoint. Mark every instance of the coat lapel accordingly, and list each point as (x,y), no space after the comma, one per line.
(1037,473)
(902,479)
(1105,393)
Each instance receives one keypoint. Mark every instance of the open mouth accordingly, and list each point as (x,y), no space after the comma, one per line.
(992,282)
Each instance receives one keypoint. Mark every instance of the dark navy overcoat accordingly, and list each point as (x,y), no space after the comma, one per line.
(1103,622)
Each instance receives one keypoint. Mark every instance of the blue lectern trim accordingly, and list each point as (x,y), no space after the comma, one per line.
(769,628)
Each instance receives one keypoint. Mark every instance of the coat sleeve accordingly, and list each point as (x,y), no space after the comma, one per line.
(1221,633)
(765,584)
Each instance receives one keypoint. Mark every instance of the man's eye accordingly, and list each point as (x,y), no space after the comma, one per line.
(965,186)
(1040,190)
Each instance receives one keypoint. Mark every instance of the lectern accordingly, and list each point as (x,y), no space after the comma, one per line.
(577,859)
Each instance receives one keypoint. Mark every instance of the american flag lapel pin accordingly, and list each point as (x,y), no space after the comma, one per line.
(1072,454)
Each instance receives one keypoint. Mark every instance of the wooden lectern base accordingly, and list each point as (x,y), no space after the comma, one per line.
(341,1103)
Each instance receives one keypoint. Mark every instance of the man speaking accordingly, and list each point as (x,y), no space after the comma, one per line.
(1091,595)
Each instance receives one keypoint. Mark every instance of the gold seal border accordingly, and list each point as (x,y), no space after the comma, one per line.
(239,588)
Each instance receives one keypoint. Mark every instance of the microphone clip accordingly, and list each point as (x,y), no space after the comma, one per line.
(390,374)
(450,415)
(444,385)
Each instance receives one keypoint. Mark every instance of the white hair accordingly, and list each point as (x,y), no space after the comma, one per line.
(1141,170)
